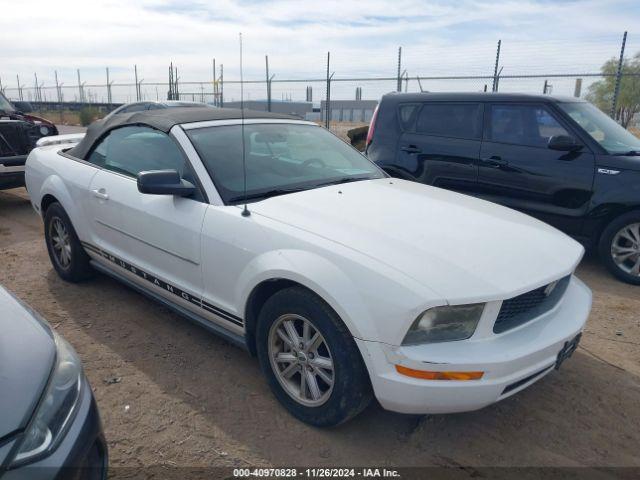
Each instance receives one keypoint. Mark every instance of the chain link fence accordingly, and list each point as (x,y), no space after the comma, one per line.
(557,67)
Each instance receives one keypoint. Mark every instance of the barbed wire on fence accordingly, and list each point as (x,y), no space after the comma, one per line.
(350,80)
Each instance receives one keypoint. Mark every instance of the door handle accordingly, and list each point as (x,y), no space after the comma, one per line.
(494,161)
(101,194)
(411,149)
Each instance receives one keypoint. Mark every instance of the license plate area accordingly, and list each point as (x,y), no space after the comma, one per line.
(567,350)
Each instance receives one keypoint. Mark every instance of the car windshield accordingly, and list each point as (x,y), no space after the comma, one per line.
(5,105)
(613,138)
(280,158)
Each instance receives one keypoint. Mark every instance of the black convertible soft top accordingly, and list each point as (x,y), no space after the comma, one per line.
(163,119)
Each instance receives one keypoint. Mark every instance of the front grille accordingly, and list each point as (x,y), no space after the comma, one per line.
(519,310)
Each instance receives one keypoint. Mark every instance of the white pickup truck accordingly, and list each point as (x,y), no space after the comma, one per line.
(344,282)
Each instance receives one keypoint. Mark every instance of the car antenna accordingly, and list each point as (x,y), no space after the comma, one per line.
(245,210)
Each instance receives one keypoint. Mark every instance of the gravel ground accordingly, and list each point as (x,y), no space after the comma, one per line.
(172,394)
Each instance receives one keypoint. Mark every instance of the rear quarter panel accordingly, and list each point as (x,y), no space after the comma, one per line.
(49,172)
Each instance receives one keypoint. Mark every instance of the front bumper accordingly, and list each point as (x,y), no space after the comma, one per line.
(511,361)
(12,171)
(82,454)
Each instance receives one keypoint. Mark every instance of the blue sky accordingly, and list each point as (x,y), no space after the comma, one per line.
(438,38)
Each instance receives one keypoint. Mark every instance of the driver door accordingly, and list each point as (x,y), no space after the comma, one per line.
(153,239)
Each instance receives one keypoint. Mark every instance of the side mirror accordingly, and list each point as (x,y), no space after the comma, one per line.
(164,182)
(564,143)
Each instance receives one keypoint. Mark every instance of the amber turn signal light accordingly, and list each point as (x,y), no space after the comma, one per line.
(426,375)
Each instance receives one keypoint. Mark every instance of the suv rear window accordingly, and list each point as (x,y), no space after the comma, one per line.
(457,120)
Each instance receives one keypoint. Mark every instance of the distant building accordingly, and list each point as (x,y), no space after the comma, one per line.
(299,109)
(349,110)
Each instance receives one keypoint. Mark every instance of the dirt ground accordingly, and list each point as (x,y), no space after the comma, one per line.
(170,393)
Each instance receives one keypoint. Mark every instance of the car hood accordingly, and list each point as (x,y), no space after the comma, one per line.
(460,247)
(27,355)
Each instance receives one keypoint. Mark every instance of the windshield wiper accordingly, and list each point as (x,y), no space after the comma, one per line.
(341,180)
(631,153)
(269,193)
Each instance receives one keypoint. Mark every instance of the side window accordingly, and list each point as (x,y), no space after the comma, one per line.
(457,120)
(407,116)
(131,150)
(529,125)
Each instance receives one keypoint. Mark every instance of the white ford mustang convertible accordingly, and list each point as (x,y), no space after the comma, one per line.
(345,283)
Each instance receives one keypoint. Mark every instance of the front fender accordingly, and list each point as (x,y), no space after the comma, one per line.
(328,282)
(372,306)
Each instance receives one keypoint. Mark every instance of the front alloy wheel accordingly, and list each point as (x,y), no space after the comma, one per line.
(310,358)
(301,359)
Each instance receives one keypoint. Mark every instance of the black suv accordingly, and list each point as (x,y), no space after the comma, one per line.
(558,159)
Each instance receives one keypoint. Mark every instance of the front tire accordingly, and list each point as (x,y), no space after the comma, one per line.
(619,247)
(67,256)
(310,359)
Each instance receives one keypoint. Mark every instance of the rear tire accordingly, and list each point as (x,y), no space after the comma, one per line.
(300,336)
(68,257)
(619,247)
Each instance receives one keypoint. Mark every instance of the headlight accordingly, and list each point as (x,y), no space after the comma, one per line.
(58,406)
(445,324)
(44,130)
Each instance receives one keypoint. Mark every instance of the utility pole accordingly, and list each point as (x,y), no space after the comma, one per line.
(616,92)
(495,69)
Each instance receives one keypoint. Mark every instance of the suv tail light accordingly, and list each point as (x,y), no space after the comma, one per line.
(372,126)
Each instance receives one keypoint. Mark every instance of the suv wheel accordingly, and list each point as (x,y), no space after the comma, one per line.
(620,247)
(310,359)
(68,257)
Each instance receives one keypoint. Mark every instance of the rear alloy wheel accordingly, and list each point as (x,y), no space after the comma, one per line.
(310,359)
(61,243)
(620,247)
(68,257)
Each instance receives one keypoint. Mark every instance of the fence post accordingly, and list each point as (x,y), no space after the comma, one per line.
(221,85)
(327,109)
(495,69)
(19,87)
(616,91)
(399,75)
(108,88)
(577,90)
(80,89)
(135,71)
(213,71)
(266,63)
